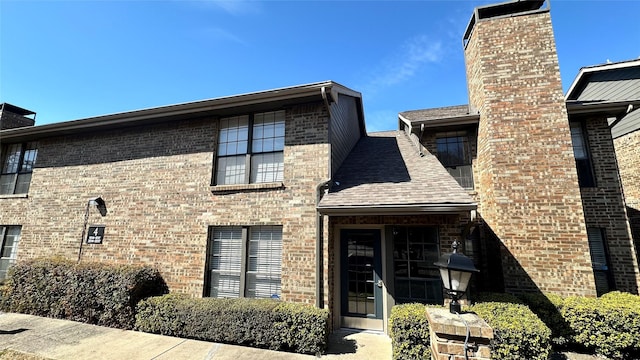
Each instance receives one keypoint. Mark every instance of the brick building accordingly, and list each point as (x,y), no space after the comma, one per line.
(551,211)
(611,92)
(282,193)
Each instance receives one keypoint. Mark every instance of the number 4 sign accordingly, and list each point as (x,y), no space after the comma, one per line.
(95,234)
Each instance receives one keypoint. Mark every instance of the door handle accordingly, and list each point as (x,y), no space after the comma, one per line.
(379,283)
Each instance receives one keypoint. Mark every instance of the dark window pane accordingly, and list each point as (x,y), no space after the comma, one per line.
(415,249)
(585,173)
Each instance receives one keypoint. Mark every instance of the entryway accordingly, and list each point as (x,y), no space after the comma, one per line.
(361,279)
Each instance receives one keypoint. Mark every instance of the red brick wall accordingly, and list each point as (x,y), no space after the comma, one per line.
(156,184)
(527,182)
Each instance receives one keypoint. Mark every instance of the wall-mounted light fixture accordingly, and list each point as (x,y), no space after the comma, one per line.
(99,203)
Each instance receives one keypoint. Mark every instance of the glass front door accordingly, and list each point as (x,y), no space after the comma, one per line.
(361,270)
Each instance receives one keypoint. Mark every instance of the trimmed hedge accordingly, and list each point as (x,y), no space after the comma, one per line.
(88,292)
(518,332)
(609,325)
(547,307)
(409,331)
(264,323)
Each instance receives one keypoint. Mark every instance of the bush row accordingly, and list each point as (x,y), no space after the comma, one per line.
(88,292)
(518,332)
(608,326)
(261,323)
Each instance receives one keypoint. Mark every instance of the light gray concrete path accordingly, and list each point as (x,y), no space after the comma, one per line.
(63,339)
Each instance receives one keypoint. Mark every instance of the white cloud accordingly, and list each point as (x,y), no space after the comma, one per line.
(412,55)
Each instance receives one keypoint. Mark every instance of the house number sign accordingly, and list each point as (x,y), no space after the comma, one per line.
(95,234)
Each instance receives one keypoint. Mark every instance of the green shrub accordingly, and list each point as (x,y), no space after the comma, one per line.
(409,331)
(304,328)
(548,308)
(609,325)
(518,332)
(261,323)
(88,292)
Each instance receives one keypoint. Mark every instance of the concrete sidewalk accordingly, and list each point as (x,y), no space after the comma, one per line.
(63,339)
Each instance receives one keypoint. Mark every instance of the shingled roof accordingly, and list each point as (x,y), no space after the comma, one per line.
(385,173)
(449,115)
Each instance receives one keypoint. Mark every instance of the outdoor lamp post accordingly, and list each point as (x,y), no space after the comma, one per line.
(99,203)
(455,271)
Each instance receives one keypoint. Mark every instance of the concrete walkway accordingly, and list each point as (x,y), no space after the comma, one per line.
(63,339)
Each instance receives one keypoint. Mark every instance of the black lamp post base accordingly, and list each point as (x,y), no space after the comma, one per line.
(454,307)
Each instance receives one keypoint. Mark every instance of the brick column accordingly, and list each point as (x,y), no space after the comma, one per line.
(527,180)
(448,332)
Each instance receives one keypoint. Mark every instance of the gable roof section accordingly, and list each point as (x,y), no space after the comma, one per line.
(384,174)
(450,115)
(222,106)
(612,90)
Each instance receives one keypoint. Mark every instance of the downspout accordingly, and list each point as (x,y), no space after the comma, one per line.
(320,190)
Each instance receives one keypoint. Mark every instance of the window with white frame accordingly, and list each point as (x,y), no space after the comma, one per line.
(244,261)
(9,238)
(251,149)
(17,165)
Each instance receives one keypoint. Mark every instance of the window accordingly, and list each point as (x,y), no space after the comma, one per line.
(254,142)
(600,260)
(581,154)
(417,279)
(454,153)
(9,237)
(244,262)
(17,165)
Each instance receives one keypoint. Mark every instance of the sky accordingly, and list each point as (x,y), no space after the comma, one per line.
(68,60)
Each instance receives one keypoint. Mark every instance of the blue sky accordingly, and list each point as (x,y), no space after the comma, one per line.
(69,60)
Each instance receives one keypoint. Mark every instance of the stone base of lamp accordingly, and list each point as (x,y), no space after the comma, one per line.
(448,332)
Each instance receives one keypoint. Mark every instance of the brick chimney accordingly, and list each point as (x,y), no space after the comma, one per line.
(527,186)
(12,116)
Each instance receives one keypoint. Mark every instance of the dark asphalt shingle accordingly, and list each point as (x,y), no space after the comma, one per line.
(385,169)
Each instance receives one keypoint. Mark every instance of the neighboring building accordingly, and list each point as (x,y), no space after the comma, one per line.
(281,193)
(611,92)
(12,116)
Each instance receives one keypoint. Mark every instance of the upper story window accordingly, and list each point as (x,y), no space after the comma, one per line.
(251,149)
(454,153)
(581,154)
(17,164)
